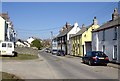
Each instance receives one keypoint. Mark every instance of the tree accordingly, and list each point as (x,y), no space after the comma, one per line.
(36,43)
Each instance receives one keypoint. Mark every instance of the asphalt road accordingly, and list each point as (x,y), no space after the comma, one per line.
(50,66)
(72,68)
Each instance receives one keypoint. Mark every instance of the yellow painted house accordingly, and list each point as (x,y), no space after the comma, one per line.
(81,42)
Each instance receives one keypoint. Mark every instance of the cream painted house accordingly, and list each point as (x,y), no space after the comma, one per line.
(3,29)
(81,42)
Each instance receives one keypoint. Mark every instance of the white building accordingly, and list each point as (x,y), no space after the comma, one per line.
(27,44)
(20,44)
(63,37)
(6,28)
(30,40)
(74,30)
(105,38)
(3,29)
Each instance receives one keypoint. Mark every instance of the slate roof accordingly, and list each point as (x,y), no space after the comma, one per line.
(63,33)
(5,16)
(80,32)
(109,24)
(83,29)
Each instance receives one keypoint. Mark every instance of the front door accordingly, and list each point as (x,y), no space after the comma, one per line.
(115,53)
(83,49)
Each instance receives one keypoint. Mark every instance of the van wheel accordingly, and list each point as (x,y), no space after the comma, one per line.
(90,63)
(15,54)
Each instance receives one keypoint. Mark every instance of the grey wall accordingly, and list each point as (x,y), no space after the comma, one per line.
(26,50)
(109,42)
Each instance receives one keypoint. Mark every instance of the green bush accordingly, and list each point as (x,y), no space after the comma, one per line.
(36,43)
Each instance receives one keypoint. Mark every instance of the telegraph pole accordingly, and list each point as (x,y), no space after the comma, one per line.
(51,37)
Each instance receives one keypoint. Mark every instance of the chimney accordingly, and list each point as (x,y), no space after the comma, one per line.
(95,22)
(115,14)
(67,25)
(76,24)
(83,25)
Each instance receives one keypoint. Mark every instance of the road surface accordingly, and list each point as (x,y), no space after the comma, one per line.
(50,66)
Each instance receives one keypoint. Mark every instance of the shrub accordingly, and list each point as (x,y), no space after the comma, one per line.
(36,43)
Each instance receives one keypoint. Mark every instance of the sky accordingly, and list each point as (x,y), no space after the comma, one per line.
(38,19)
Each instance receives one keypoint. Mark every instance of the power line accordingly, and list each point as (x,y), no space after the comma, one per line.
(38,29)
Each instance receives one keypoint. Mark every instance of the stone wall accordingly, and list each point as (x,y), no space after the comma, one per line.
(26,50)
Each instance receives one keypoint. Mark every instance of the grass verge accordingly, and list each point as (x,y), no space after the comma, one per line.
(20,57)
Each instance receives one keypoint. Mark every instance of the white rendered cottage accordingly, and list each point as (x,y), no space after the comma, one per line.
(105,38)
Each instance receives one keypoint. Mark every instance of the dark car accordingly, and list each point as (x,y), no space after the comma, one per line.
(61,53)
(95,57)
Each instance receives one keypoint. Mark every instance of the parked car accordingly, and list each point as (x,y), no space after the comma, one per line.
(48,50)
(54,51)
(61,53)
(95,57)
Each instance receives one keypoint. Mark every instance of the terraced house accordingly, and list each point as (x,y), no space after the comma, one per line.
(64,36)
(106,38)
(81,42)
(7,32)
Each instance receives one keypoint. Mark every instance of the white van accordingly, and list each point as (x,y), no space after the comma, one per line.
(7,48)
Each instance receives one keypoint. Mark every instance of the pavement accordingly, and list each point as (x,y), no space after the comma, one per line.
(114,65)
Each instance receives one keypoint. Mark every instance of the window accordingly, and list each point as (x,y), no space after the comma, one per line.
(3,44)
(115,33)
(103,35)
(104,48)
(9,45)
(115,52)
(85,35)
(99,53)
(88,54)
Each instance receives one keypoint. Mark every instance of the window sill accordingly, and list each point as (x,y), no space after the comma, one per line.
(114,39)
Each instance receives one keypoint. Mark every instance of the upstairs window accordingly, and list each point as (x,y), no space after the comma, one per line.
(115,33)
(103,35)
(104,48)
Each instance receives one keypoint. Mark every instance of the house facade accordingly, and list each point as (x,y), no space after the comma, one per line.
(30,39)
(81,42)
(64,36)
(54,44)
(7,29)
(106,38)
(3,29)
(21,43)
